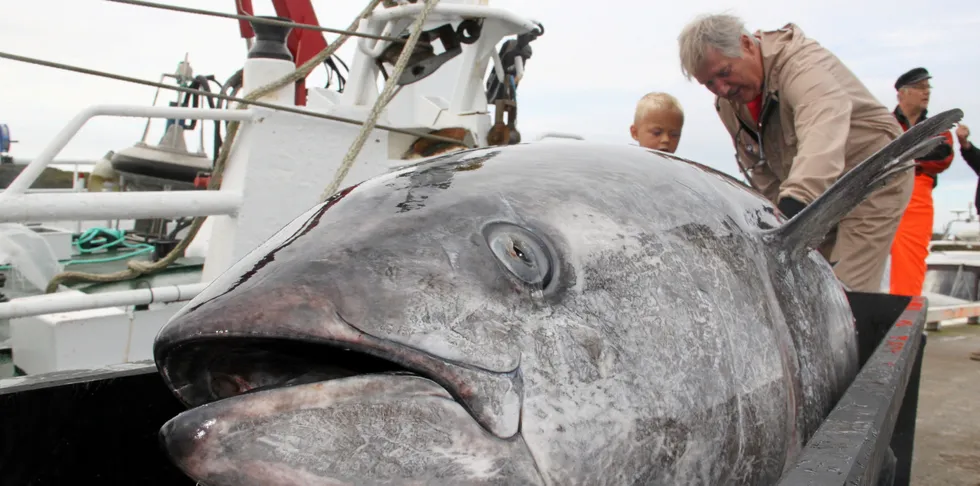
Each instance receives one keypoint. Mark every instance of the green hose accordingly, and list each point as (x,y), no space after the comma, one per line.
(99,239)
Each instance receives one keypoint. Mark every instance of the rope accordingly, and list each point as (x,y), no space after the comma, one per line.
(98,239)
(95,240)
(136,268)
(220,96)
(386,94)
(258,20)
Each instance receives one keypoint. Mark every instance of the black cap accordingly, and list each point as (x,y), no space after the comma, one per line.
(912,77)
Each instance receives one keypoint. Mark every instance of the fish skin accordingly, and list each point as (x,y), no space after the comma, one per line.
(670,345)
(300,436)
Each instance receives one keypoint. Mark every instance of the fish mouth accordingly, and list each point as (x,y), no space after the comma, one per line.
(385,426)
(209,370)
(255,400)
(205,369)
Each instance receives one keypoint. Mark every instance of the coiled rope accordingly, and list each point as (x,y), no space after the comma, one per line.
(98,239)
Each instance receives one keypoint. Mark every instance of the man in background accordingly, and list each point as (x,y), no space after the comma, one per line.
(911,245)
(799,120)
(971,154)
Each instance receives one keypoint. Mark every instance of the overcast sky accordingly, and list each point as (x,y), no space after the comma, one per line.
(594,61)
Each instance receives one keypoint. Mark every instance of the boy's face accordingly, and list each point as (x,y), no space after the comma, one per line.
(659,130)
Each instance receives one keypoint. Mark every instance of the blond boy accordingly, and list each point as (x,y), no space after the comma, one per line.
(657,122)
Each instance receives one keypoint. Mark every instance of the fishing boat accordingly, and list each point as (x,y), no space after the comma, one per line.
(150,193)
(952,282)
(86,387)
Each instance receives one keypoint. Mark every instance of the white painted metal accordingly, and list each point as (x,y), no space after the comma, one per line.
(90,206)
(58,239)
(271,182)
(453,96)
(75,162)
(36,167)
(87,338)
(261,72)
(280,165)
(44,190)
(75,301)
(446,12)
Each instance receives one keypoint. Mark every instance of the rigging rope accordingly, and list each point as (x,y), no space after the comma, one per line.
(386,94)
(136,268)
(220,96)
(258,20)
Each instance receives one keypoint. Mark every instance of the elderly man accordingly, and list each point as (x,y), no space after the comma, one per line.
(799,119)
(911,245)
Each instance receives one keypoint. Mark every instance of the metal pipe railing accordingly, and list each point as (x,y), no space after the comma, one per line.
(46,190)
(18,205)
(90,206)
(75,162)
(36,167)
(75,301)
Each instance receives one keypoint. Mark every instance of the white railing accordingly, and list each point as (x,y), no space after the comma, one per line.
(407,13)
(18,205)
(78,184)
(75,162)
(117,205)
(48,190)
(75,301)
(36,167)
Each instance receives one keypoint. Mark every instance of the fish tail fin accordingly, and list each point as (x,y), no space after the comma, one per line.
(810,226)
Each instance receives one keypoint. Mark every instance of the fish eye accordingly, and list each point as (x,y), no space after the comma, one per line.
(522,253)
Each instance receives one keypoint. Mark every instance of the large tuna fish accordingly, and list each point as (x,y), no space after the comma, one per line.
(554,313)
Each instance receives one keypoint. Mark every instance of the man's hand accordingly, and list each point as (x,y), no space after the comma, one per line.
(941,151)
(963,134)
(789,206)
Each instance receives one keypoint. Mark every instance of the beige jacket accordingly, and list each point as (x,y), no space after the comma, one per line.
(818,120)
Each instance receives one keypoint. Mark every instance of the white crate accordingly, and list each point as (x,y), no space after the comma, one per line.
(57,238)
(86,339)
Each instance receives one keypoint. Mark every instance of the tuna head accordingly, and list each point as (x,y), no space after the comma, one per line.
(560,313)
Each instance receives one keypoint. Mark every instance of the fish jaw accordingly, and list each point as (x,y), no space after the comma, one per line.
(197,344)
(367,429)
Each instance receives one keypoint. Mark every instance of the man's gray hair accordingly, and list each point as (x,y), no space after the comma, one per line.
(719,31)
